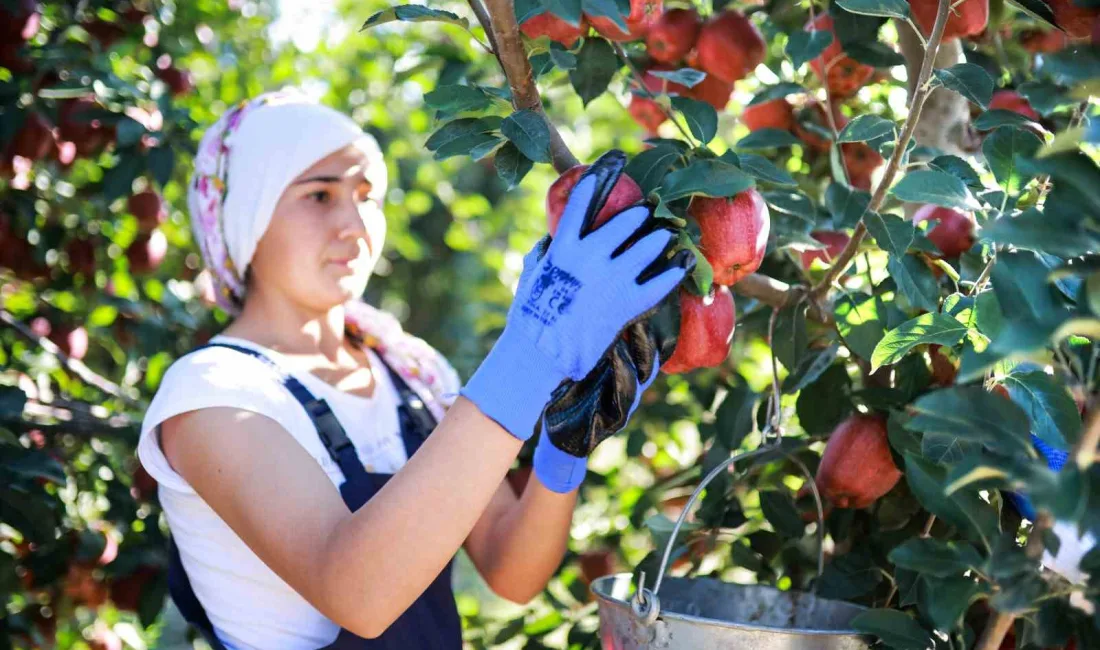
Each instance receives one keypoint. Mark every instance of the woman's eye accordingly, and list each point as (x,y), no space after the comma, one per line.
(321,196)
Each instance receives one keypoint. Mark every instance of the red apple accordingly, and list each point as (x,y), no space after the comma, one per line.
(13,58)
(76,124)
(547,24)
(861,161)
(1038,41)
(147,251)
(647,113)
(954,232)
(625,194)
(842,75)
(178,81)
(1010,100)
(967,18)
(73,341)
(148,209)
(734,233)
(773,114)
(857,468)
(713,91)
(643,13)
(81,253)
(730,46)
(706,331)
(673,35)
(834,244)
(1076,21)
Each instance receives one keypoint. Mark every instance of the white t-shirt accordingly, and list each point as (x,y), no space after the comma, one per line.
(248,604)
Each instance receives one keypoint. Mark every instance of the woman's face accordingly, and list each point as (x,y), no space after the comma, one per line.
(325,236)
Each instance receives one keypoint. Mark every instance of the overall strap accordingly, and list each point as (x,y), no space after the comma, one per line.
(415,419)
(329,429)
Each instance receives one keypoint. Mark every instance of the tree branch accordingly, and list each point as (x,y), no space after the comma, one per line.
(487,25)
(76,366)
(778,294)
(922,92)
(521,78)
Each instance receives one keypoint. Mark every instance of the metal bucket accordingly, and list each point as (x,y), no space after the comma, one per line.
(707,614)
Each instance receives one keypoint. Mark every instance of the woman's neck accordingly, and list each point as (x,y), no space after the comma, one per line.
(290,328)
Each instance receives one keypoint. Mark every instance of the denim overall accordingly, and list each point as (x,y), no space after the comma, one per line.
(432,620)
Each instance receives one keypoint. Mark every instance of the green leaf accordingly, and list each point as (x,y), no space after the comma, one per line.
(851,575)
(118,180)
(30,514)
(1002,148)
(944,600)
(860,322)
(967,79)
(463,136)
(684,76)
(414,13)
(777,91)
(511,165)
(936,187)
(996,117)
(930,328)
(767,139)
(810,367)
(765,170)
(596,66)
(892,233)
(876,54)
(733,417)
(1074,169)
(703,274)
(12,401)
(880,8)
(895,628)
(790,341)
(1024,292)
(825,402)
(162,160)
(701,118)
(128,132)
(803,46)
(846,204)
(975,519)
(779,510)
(456,98)
(956,166)
(1050,409)
(562,58)
(649,167)
(915,281)
(529,132)
(609,9)
(936,557)
(972,413)
(867,127)
(712,178)
(16,462)
(946,449)
(791,202)
(1072,65)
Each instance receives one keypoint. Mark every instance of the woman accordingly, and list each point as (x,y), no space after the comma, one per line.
(284,449)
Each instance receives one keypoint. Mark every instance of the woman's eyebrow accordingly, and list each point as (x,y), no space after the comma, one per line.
(331,178)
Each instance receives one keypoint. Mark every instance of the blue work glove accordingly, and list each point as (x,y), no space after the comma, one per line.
(1055,459)
(583,414)
(571,306)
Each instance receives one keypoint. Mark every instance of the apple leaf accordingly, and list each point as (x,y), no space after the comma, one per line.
(414,13)
(511,164)
(967,79)
(926,329)
(936,187)
(880,8)
(529,132)
(895,628)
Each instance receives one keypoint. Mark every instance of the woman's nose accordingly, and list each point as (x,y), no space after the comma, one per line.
(350,221)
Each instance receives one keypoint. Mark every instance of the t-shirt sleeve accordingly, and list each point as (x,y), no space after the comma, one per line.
(208,378)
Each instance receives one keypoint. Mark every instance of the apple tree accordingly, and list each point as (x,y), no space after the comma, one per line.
(894,209)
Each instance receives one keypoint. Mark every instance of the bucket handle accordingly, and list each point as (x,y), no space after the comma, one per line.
(645,604)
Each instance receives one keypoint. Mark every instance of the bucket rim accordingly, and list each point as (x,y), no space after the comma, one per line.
(688,618)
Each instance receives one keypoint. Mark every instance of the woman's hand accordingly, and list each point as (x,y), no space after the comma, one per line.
(583,414)
(574,301)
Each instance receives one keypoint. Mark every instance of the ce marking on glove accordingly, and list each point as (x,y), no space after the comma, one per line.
(552,294)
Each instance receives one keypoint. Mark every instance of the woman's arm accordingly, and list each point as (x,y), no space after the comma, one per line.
(519,542)
(361,570)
